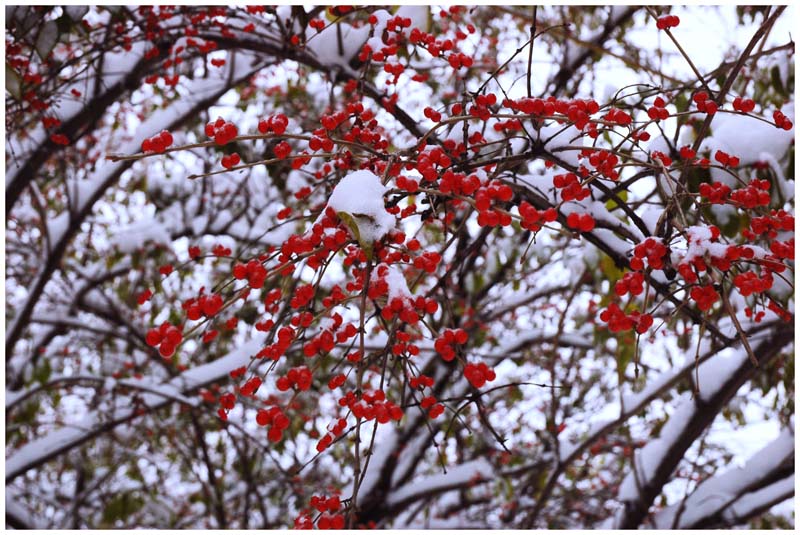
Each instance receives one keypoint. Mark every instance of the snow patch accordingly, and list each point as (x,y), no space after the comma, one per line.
(135,235)
(455,477)
(649,458)
(360,194)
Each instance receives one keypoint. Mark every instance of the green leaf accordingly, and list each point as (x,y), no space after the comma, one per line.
(777,83)
(43,372)
(611,203)
(47,39)
(352,224)
(121,507)
(13,82)
(610,269)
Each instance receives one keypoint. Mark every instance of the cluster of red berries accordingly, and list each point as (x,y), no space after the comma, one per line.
(749,283)
(320,141)
(777,220)
(705,296)
(403,345)
(617,116)
(421,381)
(716,193)
(432,114)
(732,254)
(632,283)
(434,46)
(570,186)
(531,106)
(704,103)
(651,249)
(275,350)
(458,60)
(618,321)
(428,261)
(51,122)
(578,111)
(489,216)
(581,222)
(781,121)
(317,24)
(667,21)
(726,159)
(783,249)
(331,121)
(372,406)
(205,305)
(458,183)
(447,340)
(158,143)
(533,219)
(687,153)
(478,374)
(658,155)
(756,193)
(210,335)
(253,271)
(221,131)
(166,338)
(326,520)
(758,316)
(689,270)
(395,69)
(230,160)
(250,387)
(605,162)
(481,107)
(336,381)
(745,105)
(494,191)
(298,378)
(276,124)
(276,419)
(59,139)
(227,402)
(333,431)
(302,296)
(407,184)
(323,343)
(144,296)
(405,309)
(434,409)
(327,506)
(657,111)
(428,159)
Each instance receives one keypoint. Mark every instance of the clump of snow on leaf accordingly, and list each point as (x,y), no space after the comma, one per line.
(360,195)
(394,280)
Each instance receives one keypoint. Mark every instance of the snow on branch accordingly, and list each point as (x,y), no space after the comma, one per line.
(658,459)
(754,503)
(723,492)
(43,449)
(201,93)
(470,472)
